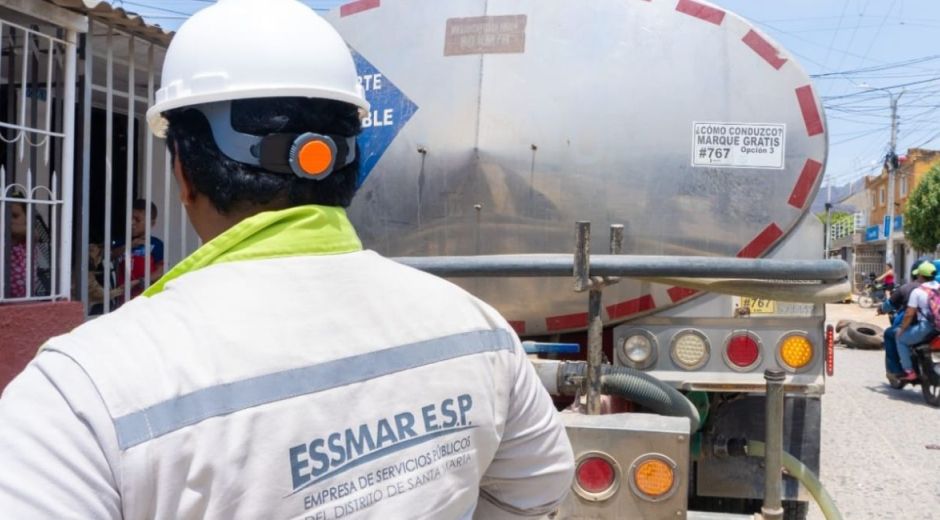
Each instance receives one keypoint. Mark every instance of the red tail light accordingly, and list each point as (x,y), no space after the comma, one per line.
(596,477)
(743,350)
(830,351)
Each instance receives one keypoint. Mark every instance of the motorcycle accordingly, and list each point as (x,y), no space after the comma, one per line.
(873,295)
(925,359)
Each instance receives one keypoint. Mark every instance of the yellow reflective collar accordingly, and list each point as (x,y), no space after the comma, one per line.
(301,230)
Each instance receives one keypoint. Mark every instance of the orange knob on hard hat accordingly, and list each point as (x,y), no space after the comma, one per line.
(315,157)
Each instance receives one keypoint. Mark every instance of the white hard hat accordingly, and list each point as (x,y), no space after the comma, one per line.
(241,49)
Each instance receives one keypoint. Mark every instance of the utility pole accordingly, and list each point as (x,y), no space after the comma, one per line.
(891,161)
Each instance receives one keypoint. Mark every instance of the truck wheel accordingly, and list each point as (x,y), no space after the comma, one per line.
(865,335)
(795,510)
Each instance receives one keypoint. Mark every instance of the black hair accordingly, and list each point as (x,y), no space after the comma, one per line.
(234,186)
(141,205)
(16,193)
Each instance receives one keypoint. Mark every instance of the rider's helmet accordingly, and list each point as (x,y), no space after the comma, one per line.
(927,270)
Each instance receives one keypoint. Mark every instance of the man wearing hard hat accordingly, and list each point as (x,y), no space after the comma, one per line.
(280,371)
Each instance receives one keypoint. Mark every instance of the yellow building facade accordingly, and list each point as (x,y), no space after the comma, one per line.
(918,162)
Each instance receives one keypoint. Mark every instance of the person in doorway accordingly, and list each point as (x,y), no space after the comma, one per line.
(16,282)
(897,304)
(887,278)
(280,371)
(20,262)
(96,276)
(917,325)
(139,250)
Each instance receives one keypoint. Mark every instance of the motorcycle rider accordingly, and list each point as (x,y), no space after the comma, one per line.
(887,279)
(911,333)
(893,306)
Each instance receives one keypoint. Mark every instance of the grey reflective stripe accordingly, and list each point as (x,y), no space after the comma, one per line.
(174,414)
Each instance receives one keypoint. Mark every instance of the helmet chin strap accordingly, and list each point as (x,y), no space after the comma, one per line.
(307,155)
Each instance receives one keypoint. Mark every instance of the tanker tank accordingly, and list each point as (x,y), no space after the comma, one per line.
(497,124)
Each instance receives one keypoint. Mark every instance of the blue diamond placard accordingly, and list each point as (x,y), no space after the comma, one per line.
(390,111)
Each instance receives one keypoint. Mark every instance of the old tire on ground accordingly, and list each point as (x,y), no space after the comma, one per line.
(841,324)
(843,338)
(865,335)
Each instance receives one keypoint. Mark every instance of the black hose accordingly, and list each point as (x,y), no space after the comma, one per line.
(643,389)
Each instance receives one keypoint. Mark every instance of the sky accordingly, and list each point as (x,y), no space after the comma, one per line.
(858,52)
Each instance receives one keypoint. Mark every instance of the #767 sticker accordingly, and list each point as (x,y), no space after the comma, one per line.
(739,145)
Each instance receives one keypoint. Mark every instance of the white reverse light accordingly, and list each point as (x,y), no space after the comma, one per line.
(690,349)
(638,350)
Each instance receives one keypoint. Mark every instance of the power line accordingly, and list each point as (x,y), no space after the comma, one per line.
(866,92)
(929,139)
(835,33)
(878,68)
(854,32)
(874,38)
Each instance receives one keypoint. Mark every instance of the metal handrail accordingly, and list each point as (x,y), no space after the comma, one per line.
(630,266)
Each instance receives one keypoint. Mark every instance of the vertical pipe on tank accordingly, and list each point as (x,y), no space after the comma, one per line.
(616,247)
(616,239)
(582,261)
(595,354)
(773,438)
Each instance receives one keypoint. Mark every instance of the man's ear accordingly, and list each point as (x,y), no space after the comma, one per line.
(187,190)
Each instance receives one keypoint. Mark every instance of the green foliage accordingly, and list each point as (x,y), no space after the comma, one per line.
(837,216)
(922,219)
(841,216)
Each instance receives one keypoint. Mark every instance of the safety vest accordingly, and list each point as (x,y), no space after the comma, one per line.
(262,381)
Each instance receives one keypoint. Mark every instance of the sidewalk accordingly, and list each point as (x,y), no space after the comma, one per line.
(851,311)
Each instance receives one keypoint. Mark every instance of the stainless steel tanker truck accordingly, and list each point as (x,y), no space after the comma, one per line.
(500,128)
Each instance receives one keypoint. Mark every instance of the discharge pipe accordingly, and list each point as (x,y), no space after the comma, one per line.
(740,447)
(807,478)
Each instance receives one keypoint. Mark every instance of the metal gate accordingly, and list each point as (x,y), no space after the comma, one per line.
(37,87)
(867,260)
(76,157)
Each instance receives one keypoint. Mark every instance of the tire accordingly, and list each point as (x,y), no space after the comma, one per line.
(929,384)
(844,339)
(896,383)
(865,335)
(841,324)
(865,301)
(931,394)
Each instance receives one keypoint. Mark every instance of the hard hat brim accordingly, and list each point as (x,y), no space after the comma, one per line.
(158,125)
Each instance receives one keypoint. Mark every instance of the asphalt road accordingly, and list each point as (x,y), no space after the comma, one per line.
(880,446)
